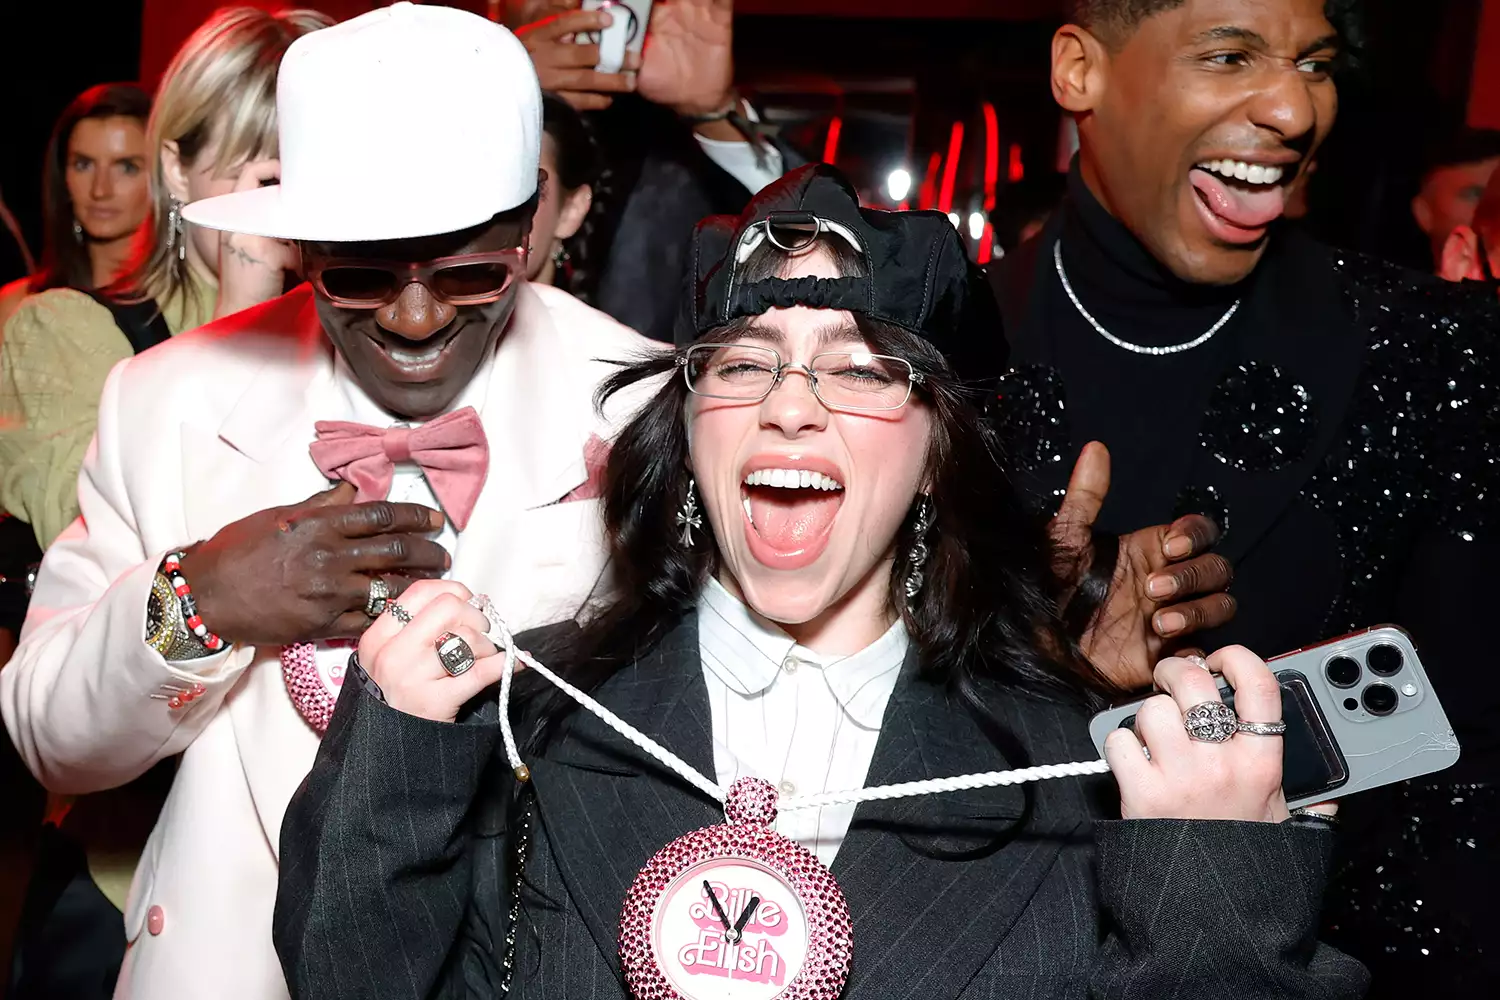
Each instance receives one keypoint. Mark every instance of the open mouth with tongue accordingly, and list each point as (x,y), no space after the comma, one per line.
(1239,199)
(789,512)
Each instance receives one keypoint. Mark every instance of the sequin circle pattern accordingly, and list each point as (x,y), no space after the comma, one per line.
(1258,420)
(310,696)
(1031,409)
(1203,500)
(1211,722)
(830,930)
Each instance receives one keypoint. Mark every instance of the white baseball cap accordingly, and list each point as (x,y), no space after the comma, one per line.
(406,121)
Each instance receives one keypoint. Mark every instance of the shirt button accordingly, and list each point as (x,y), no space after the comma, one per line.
(790,664)
(788,789)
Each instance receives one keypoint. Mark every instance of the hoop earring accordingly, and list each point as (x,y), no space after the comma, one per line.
(77,231)
(687,515)
(174,230)
(918,554)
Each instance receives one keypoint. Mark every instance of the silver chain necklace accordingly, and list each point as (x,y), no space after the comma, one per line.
(1125,344)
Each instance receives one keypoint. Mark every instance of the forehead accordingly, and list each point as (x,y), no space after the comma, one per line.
(117,134)
(1289,24)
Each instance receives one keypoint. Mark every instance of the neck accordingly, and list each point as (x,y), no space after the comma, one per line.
(850,624)
(548,273)
(107,259)
(1118,279)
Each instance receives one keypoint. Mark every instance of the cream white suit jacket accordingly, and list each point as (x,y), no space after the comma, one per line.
(193,435)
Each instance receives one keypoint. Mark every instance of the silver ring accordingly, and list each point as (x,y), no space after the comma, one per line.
(397,612)
(379,593)
(1198,661)
(1211,722)
(1262,728)
(455,655)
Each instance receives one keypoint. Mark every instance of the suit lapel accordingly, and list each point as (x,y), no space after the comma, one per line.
(1287,328)
(606,806)
(943,877)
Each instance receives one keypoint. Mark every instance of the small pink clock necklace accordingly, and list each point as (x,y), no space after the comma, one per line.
(737,911)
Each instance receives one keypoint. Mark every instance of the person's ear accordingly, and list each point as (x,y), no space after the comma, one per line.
(1460,259)
(1422,213)
(574,210)
(1080,69)
(173,171)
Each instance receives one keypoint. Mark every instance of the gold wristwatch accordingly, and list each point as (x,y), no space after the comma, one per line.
(166,631)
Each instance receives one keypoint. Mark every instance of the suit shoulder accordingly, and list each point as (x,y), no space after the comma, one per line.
(591,330)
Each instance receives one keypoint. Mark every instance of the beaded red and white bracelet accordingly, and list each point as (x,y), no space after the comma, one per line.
(172,567)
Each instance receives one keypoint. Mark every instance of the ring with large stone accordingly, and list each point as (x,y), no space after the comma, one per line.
(454,654)
(1211,722)
(1262,728)
(379,594)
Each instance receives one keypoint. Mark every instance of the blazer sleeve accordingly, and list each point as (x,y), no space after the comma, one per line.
(84,698)
(392,859)
(1196,908)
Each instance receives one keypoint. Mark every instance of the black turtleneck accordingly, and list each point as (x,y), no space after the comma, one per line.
(1147,409)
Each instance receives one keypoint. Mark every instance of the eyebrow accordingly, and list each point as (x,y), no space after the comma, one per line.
(1232,33)
(827,335)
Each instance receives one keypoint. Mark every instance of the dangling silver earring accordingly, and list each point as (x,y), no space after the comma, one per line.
(918,553)
(174,230)
(77,231)
(560,257)
(687,515)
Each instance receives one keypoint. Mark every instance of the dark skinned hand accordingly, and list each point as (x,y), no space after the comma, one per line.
(300,573)
(567,68)
(1166,586)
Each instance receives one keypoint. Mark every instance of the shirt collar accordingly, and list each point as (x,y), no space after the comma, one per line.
(746,653)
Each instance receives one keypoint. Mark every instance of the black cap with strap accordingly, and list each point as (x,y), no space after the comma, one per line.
(918,276)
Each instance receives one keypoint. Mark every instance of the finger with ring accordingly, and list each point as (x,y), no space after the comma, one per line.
(377,596)
(1262,728)
(1210,722)
(454,653)
(397,612)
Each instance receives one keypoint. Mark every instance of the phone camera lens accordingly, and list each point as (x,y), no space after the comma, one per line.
(1380,699)
(1343,672)
(1385,660)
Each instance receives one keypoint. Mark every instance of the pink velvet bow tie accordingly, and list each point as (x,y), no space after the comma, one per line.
(451,450)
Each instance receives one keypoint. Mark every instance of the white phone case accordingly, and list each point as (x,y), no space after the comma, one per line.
(626,34)
(1413,739)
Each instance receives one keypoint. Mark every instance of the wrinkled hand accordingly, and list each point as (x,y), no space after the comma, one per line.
(252,269)
(403,659)
(1185,779)
(566,68)
(1166,585)
(300,573)
(688,64)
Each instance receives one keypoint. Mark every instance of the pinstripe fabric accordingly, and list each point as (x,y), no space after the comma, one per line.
(394,885)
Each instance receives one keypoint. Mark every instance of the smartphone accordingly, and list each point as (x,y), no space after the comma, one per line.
(1360,713)
(626,34)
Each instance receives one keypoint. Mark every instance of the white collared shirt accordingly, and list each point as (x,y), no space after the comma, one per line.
(805,722)
(408,484)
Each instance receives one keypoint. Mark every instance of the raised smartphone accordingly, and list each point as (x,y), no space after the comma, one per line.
(626,34)
(1360,713)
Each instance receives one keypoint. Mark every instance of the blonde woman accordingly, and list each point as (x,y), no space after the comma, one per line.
(212,130)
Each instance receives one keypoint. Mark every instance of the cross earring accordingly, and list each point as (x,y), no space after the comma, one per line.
(687,515)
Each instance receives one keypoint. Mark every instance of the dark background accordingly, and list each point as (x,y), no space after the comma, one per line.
(897,83)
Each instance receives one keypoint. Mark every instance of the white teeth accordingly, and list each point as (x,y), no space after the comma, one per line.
(792,479)
(415,357)
(1242,170)
(748,514)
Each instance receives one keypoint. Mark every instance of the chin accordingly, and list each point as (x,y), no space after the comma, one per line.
(788,597)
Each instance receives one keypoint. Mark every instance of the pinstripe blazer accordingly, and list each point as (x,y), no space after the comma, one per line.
(395,879)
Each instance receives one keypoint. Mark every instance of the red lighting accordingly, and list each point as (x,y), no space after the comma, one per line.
(927,197)
(831,146)
(1017,167)
(991,155)
(950,169)
(986,244)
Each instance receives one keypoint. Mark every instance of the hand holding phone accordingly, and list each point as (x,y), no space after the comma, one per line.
(1360,713)
(1235,778)
(625,33)
(565,53)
